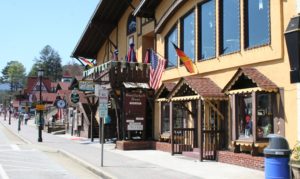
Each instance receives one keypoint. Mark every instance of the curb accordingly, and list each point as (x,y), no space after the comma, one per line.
(67,154)
(16,134)
(87,165)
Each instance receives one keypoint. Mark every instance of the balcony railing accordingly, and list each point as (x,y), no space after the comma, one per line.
(117,72)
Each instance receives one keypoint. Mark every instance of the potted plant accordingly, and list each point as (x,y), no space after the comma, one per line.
(295,161)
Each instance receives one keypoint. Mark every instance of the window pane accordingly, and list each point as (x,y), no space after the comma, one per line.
(231,26)
(165,120)
(264,115)
(207,30)
(171,53)
(244,116)
(189,35)
(131,24)
(258,23)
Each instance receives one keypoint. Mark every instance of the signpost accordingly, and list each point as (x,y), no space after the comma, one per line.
(102,93)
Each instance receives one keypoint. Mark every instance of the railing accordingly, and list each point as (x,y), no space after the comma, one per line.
(183,140)
(117,72)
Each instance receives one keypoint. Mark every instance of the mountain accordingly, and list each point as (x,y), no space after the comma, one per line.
(4,87)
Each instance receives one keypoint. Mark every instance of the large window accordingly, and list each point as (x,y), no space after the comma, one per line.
(188,34)
(207,30)
(171,54)
(244,116)
(264,115)
(257,23)
(229,26)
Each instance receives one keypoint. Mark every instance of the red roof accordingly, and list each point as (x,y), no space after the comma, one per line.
(53,84)
(32,81)
(64,85)
(48,97)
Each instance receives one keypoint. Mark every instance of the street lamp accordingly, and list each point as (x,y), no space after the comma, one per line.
(10,111)
(40,75)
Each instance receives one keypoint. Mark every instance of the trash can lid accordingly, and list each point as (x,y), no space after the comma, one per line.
(278,145)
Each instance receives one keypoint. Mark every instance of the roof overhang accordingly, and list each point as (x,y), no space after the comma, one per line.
(146,8)
(101,24)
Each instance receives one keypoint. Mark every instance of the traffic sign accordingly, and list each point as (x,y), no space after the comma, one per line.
(103,100)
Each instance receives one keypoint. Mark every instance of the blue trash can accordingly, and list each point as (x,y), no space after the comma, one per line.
(277,157)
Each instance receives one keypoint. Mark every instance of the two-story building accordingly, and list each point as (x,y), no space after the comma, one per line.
(240,90)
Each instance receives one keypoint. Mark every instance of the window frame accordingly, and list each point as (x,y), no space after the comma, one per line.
(129,19)
(246,26)
(199,50)
(182,33)
(221,27)
(167,45)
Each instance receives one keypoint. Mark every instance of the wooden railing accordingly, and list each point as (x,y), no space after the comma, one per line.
(117,72)
(183,140)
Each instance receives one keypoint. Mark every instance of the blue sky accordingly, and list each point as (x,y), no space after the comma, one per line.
(27,26)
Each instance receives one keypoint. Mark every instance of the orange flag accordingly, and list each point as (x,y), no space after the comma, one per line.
(187,62)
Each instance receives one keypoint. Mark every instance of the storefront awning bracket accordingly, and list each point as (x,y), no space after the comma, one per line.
(215,109)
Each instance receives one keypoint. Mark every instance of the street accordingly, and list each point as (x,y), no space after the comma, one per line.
(21,160)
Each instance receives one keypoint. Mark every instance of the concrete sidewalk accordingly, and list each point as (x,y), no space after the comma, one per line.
(131,164)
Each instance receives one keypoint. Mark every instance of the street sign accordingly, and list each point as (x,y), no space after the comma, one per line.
(74,97)
(40,107)
(103,101)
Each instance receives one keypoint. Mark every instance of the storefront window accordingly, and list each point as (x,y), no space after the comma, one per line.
(264,115)
(207,28)
(170,50)
(165,120)
(244,116)
(257,23)
(179,116)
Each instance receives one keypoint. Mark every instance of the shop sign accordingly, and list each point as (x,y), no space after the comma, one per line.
(40,107)
(135,111)
(86,86)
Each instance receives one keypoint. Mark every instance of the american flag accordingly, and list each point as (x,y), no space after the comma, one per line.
(156,69)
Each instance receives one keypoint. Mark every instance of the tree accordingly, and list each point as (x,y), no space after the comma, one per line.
(50,62)
(14,73)
(73,69)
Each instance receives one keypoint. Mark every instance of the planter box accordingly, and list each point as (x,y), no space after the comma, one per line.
(295,166)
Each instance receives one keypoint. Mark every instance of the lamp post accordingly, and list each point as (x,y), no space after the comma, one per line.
(9,111)
(40,75)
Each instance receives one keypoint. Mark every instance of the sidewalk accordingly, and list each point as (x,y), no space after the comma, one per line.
(131,164)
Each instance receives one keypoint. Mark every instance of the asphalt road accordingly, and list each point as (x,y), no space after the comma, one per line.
(19,160)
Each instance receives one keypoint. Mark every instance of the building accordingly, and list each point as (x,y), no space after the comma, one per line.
(240,90)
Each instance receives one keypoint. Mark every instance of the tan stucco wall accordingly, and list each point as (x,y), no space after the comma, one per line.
(271,60)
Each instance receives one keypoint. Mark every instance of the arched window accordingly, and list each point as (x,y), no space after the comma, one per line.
(131,24)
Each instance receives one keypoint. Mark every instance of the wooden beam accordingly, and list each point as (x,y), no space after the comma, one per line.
(215,109)
(199,126)
(171,126)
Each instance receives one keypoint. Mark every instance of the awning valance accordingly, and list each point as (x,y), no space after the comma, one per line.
(248,79)
(191,88)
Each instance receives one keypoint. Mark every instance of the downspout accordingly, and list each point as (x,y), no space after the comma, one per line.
(298,111)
